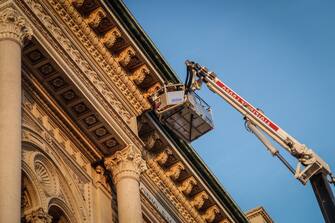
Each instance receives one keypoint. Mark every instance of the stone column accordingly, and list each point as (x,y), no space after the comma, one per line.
(38,216)
(126,166)
(13,31)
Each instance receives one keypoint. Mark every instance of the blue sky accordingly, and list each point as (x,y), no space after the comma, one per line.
(280,56)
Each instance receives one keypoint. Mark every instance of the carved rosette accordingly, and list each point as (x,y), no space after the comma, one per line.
(38,216)
(14,26)
(126,163)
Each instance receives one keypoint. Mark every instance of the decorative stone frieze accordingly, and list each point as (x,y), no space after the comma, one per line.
(126,163)
(110,38)
(163,156)
(199,200)
(38,216)
(139,74)
(175,170)
(14,26)
(187,185)
(211,213)
(95,17)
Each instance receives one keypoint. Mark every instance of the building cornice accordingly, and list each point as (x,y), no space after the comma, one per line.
(80,70)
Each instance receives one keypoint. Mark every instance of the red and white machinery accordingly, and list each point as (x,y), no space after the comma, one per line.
(190,122)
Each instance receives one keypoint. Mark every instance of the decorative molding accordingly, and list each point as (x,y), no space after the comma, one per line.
(38,216)
(126,163)
(14,26)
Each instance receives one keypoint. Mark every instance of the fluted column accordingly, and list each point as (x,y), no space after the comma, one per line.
(13,31)
(126,166)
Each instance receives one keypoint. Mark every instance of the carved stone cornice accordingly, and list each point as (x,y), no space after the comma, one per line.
(14,26)
(38,216)
(83,72)
(99,52)
(126,163)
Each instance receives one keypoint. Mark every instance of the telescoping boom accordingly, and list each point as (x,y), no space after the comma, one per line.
(310,166)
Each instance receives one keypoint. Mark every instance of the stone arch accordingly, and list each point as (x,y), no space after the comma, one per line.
(48,170)
(31,188)
(60,212)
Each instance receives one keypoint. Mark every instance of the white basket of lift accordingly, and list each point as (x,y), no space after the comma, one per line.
(187,115)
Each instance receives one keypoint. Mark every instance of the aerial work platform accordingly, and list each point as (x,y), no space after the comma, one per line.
(186,114)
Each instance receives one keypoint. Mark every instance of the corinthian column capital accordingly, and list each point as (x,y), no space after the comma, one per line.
(38,216)
(14,26)
(126,163)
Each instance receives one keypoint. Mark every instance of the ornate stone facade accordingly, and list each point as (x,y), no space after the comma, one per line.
(87,150)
